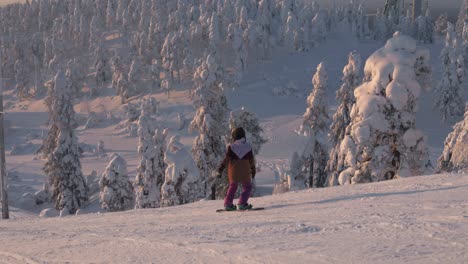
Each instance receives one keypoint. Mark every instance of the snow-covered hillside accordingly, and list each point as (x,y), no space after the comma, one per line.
(415,220)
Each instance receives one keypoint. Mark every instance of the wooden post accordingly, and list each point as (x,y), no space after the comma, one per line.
(3,178)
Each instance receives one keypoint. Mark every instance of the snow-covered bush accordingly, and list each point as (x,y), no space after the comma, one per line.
(116,190)
(49,212)
(455,155)
(43,195)
(383,142)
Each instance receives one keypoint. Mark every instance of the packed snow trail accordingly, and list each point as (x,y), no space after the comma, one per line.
(414,220)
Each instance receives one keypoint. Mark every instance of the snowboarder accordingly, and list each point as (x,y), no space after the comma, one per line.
(240,162)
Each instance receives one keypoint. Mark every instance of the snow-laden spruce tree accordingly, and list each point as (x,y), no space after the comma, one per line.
(182,183)
(315,128)
(264,20)
(150,176)
(116,190)
(462,17)
(425,28)
(316,114)
(22,79)
(63,166)
(342,117)
(465,48)
(135,74)
(210,121)
(455,157)
(448,93)
(383,142)
(441,24)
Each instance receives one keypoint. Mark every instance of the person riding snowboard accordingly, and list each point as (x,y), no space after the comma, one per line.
(240,162)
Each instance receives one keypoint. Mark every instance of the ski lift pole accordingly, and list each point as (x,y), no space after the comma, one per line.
(3,178)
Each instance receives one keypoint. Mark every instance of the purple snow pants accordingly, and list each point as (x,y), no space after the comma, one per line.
(244,197)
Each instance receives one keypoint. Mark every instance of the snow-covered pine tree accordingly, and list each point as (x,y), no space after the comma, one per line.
(63,167)
(454,157)
(264,22)
(116,190)
(316,115)
(183,183)
(381,26)
(124,89)
(319,29)
(448,93)
(135,75)
(342,117)
(210,121)
(22,79)
(425,28)
(315,127)
(462,17)
(291,38)
(465,48)
(441,24)
(383,142)
(150,175)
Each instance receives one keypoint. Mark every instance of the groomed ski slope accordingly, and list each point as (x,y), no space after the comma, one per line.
(414,220)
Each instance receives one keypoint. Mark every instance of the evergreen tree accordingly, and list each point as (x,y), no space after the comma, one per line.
(342,117)
(454,156)
(150,171)
(383,142)
(63,167)
(314,127)
(448,93)
(210,121)
(22,80)
(462,17)
(441,24)
(116,190)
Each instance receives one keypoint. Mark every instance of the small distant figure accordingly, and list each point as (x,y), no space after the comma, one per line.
(240,162)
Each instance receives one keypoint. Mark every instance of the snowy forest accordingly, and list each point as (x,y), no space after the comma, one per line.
(158,76)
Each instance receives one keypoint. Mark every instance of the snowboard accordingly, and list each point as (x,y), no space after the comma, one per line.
(252,209)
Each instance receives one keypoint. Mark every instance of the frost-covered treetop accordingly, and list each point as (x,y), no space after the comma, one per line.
(321,77)
(117,167)
(393,64)
(174,144)
(354,65)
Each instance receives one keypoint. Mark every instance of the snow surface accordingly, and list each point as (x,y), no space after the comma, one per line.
(414,220)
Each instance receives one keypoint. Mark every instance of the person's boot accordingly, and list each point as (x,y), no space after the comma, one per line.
(243,207)
(230,208)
